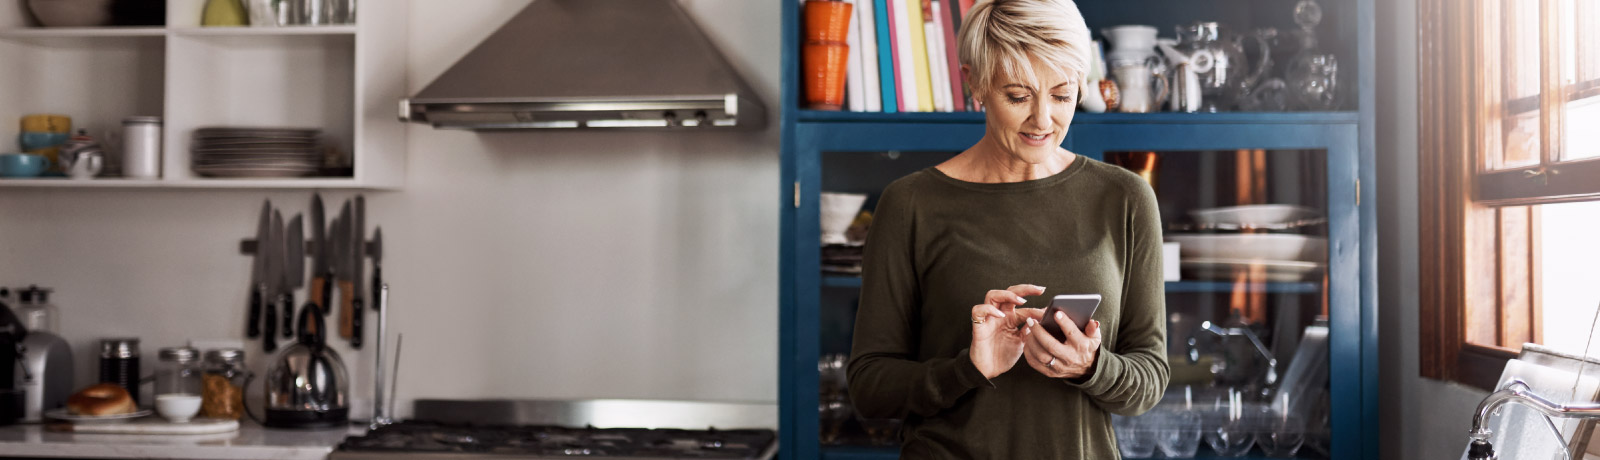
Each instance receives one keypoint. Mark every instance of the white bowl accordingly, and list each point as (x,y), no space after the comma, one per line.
(1251,246)
(838,211)
(71,13)
(178,407)
(1259,215)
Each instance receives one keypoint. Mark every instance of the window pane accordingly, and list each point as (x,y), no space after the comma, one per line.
(1569,249)
(1581,46)
(1514,90)
(1583,139)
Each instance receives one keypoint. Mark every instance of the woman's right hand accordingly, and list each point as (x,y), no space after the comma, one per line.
(999,333)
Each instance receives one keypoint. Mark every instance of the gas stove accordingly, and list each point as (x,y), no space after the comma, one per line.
(596,429)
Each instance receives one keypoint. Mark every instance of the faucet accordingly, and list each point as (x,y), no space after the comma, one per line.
(1517,391)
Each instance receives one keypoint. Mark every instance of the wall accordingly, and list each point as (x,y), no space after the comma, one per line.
(527,264)
(1421,418)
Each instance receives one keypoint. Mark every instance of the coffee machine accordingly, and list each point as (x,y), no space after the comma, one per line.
(11,335)
(46,357)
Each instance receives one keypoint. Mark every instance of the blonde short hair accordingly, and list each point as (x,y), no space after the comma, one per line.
(1000,37)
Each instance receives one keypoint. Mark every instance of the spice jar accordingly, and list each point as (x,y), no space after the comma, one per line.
(178,383)
(224,383)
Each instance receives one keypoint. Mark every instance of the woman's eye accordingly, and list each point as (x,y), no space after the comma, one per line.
(1017,99)
(1063,98)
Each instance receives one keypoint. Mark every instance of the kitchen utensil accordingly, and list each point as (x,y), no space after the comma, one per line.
(294,272)
(1186,93)
(178,392)
(66,416)
(141,147)
(1282,432)
(1242,360)
(346,269)
(825,53)
(382,413)
(262,13)
(321,273)
(22,165)
(1130,42)
(1252,246)
(81,157)
(1231,423)
(71,13)
(224,13)
(273,293)
(1177,431)
(1229,269)
(375,251)
(157,426)
(1140,85)
(838,210)
(119,364)
(46,365)
(358,250)
(1228,77)
(306,384)
(340,11)
(1259,216)
(1312,75)
(258,271)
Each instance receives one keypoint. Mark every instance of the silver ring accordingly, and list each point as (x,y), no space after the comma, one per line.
(1051,364)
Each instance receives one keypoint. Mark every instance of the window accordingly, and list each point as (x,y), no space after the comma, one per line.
(1509,181)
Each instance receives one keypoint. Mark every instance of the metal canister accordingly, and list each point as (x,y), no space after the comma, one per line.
(119,364)
(141,147)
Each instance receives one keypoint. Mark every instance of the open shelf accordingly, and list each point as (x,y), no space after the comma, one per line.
(194,183)
(242,31)
(60,35)
(1301,287)
(893,453)
(1097,118)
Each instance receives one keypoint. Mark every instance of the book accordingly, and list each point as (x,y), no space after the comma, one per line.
(886,67)
(905,68)
(868,54)
(952,24)
(922,80)
(936,56)
(854,96)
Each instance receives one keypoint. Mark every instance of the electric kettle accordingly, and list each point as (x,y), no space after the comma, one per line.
(306,385)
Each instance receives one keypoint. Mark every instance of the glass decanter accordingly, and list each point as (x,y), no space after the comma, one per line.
(1312,75)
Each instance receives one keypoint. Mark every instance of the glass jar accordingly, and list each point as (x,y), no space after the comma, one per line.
(223,384)
(119,364)
(178,383)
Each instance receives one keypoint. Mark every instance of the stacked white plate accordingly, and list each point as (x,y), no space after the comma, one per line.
(255,152)
(1274,256)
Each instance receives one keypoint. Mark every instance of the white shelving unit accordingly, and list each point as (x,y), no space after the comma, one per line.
(342,79)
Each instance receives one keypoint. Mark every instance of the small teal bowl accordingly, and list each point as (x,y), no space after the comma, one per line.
(34,140)
(22,165)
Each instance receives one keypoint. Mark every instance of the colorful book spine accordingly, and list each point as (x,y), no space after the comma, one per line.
(868,54)
(919,56)
(936,59)
(886,66)
(854,95)
(952,23)
(905,68)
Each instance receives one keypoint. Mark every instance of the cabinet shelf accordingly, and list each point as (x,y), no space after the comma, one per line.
(1302,287)
(264,31)
(1310,118)
(893,453)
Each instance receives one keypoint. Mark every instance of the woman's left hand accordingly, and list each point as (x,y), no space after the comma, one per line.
(1073,358)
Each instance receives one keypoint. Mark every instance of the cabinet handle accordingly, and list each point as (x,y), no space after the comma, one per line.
(797,194)
(1358,192)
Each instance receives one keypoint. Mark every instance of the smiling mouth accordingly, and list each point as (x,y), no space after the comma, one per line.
(1037,137)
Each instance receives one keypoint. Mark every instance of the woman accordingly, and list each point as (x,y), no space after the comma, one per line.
(1014,210)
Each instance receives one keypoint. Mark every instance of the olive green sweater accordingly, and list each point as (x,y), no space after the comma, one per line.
(938,244)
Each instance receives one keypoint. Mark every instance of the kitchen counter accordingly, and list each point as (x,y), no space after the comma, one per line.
(249,443)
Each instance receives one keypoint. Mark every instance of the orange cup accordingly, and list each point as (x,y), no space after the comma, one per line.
(824,65)
(827,21)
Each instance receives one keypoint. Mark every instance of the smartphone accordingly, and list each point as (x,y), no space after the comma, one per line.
(1078,307)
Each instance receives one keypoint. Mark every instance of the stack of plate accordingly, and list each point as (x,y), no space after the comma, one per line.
(1276,256)
(255,152)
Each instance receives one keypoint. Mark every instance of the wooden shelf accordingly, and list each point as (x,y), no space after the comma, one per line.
(1095,118)
(1303,287)
(245,31)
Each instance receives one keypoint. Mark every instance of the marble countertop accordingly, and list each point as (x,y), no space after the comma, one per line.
(249,443)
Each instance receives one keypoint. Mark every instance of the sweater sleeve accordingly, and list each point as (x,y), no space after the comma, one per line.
(1130,377)
(884,377)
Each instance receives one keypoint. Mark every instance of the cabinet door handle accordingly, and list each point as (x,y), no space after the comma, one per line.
(797,194)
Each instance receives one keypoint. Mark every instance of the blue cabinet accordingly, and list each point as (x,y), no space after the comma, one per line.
(1332,152)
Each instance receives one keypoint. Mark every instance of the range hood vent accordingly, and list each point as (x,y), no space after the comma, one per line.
(630,64)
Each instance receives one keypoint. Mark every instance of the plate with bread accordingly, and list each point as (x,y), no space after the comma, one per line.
(102,403)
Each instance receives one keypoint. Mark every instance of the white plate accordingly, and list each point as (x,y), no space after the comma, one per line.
(1229,269)
(1251,246)
(64,415)
(1259,215)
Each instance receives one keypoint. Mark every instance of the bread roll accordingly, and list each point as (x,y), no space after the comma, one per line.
(102,399)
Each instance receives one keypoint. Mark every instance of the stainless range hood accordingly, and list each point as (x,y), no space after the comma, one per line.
(590,64)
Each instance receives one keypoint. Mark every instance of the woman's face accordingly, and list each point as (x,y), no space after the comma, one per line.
(1028,119)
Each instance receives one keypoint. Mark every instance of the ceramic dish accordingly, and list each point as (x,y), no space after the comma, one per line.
(63,415)
(1251,246)
(1228,269)
(1260,215)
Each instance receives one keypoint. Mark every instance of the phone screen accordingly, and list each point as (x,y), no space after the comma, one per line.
(1078,307)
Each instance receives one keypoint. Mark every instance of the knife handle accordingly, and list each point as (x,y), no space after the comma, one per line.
(325,297)
(377,284)
(347,294)
(253,323)
(269,336)
(356,323)
(288,315)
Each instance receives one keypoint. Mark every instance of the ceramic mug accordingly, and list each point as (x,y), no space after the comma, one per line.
(22,165)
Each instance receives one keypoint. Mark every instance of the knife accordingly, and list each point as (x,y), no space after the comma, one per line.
(358,257)
(258,272)
(345,270)
(274,284)
(320,270)
(294,273)
(376,252)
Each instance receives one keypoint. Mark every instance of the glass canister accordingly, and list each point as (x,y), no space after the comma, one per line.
(178,383)
(223,384)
